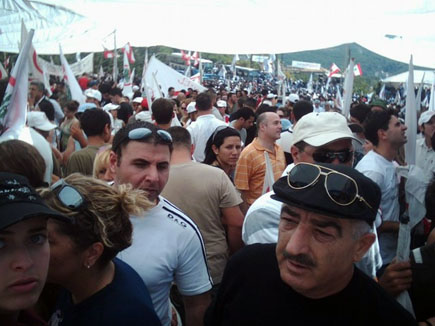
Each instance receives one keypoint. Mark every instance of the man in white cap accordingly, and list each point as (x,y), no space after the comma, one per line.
(136,104)
(425,153)
(191,112)
(93,96)
(222,107)
(116,123)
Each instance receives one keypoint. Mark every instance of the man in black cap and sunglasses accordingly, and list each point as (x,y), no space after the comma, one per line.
(317,137)
(309,277)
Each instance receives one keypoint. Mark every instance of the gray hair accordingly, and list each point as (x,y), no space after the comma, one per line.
(360,228)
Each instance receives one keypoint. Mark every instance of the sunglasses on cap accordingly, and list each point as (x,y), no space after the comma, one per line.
(144,133)
(341,189)
(323,156)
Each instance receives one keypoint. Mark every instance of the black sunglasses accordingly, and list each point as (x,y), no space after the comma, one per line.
(323,156)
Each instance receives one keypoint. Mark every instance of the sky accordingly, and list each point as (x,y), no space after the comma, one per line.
(242,26)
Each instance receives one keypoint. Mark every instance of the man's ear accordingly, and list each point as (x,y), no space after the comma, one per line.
(363,245)
(382,134)
(295,153)
(113,162)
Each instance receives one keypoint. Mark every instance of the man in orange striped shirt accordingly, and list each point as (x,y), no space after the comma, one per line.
(251,167)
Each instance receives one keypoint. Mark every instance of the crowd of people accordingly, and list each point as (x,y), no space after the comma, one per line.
(222,207)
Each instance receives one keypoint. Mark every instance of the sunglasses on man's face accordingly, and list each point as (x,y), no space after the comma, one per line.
(324,156)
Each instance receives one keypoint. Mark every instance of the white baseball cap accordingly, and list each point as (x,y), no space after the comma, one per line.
(425,117)
(93,93)
(39,120)
(191,107)
(138,100)
(110,107)
(221,104)
(293,98)
(318,129)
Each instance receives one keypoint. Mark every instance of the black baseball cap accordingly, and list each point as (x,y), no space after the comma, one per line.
(19,201)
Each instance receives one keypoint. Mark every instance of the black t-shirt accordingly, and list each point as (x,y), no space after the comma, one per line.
(252,293)
(125,301)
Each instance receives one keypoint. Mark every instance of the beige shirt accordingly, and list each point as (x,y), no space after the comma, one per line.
(200,191)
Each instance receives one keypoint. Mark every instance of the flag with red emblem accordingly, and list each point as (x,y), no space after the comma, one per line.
(333,70)
(13,110)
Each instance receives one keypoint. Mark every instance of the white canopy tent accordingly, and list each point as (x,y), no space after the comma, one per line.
(224,26)
(401,78)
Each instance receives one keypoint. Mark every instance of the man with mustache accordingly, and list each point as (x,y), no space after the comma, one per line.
(309,277)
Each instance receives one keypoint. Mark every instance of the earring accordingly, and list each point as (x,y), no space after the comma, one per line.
(88,266)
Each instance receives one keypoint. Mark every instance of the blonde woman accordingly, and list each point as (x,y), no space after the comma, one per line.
(99,289)
(101,168)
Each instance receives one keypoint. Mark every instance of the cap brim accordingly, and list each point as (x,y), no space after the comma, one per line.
(323,139)
(16,212)
(46,127)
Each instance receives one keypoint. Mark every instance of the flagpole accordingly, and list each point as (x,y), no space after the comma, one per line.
(115,63)
(200,68)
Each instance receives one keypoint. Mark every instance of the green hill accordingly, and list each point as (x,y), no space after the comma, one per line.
(373,65)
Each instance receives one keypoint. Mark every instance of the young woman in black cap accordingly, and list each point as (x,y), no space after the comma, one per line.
(24,249)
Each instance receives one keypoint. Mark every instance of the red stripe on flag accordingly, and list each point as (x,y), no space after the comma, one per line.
(12,81)
(35,62)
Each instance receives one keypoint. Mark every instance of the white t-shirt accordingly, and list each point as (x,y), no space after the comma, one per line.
(32,137)
(425,156)
(383,172)
(261,221)
(167,247)
(200,131)
(286,140)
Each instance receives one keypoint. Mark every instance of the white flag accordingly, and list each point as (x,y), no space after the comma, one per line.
(70,80)
(348,89)
(3,73)
(127,89)
(101,72)
(35,68)
(418,98)
(425,102)
(382,93)
(310,84)
(160,76)
(338,99)
(325,93)
(432,95)
(333,70)
(233,63)
(397,98)
(410,118)
(269,178)
(13,110)
(128,85)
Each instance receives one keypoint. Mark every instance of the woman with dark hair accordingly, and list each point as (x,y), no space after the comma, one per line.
(99,289)
(65,127)
(223,149)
